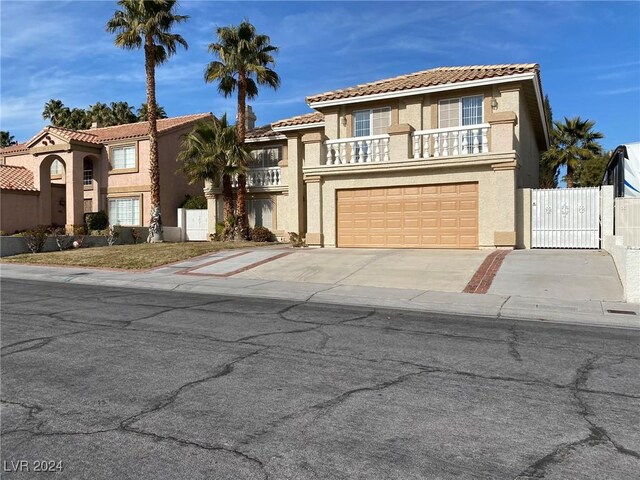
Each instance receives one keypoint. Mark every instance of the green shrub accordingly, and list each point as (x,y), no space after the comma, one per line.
(96,220)
(36,237)
(63,241)
(262,234)
(297,240)
(196,202)
(3,233)
(112,235)
(79,229)
(135,235)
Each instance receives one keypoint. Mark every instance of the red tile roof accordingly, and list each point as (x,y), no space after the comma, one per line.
(102,135)
(16,178)
(427,78)
(140,129)
(261,132)
(306,119)
(17,148)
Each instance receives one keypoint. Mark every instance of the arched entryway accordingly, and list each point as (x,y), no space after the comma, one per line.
(53,191)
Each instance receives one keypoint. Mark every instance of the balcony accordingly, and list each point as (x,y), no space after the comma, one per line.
(449,142)
(262,177)
(371,149)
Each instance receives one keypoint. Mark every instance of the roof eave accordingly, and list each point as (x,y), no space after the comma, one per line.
(266,138)
(289,128)
(422,90)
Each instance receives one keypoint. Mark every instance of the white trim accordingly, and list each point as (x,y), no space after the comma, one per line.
(298,127)
(423,90)
(357,139)
(451,129)
(265,139)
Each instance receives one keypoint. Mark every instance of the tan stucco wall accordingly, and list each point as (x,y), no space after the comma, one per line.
(173,185)
(528,173)
(18,210)
(496,196)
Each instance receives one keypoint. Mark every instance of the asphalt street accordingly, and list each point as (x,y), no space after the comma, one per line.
(105,383)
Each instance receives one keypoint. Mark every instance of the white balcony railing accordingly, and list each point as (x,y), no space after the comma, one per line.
(261,177)
(447,142)
(371,149)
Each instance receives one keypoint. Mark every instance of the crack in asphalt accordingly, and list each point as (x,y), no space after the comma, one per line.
(169,398)
(597,436)
(328,405)
(202,446)
(39,342)
(513,343)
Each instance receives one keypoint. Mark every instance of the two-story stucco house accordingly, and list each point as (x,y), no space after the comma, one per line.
(432,159)
(70,172)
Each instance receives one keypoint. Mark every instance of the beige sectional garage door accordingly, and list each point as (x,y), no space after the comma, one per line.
(428,216)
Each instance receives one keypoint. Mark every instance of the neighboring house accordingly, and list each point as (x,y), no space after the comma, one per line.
(71,172)
(432,159)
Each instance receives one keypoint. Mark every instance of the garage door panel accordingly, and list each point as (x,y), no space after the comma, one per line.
(428,216)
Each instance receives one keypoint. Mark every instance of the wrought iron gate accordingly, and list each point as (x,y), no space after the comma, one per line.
(565,218)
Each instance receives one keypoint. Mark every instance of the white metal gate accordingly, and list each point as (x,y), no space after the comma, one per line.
(196,225)
(565,218)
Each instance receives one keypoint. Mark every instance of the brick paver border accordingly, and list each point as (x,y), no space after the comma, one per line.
(482,279)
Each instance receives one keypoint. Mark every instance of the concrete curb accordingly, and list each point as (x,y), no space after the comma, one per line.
(585,313)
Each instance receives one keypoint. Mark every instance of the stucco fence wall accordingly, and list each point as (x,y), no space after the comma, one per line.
(18,209)
(17,245)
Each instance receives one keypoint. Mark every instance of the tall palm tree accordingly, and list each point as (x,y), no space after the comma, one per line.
(123,113)
(148,24)
(56,112)
(211,153)
(6,139)
(101,114)
(244,62)
(76,119)
(572,142)
(143,112)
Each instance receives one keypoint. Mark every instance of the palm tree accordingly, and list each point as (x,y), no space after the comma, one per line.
(244,62)
(101,114)
(142,112)
(148,24)
(76,119)
(56,112)
(6,139)
(571,143)
(211,153)
(123,113)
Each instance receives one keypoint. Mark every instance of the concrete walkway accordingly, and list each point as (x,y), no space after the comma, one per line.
(530,285)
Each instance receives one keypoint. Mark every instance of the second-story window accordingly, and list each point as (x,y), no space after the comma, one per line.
(375,121)
(266,157)
(123,157)
(458,112)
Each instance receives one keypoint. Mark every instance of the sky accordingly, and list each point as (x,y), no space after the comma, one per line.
(589,54)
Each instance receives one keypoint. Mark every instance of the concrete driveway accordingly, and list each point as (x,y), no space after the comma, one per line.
(545,274)
(559,274)
(434,270)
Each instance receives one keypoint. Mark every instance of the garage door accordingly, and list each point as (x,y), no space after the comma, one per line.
(428,216)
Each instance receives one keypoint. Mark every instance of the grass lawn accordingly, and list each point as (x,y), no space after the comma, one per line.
(144,255)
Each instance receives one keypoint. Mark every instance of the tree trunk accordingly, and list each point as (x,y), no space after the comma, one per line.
(155,222)
(243,221)
(569,177)
(227,197)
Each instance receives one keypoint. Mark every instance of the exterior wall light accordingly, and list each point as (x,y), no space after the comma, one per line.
(494,104)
